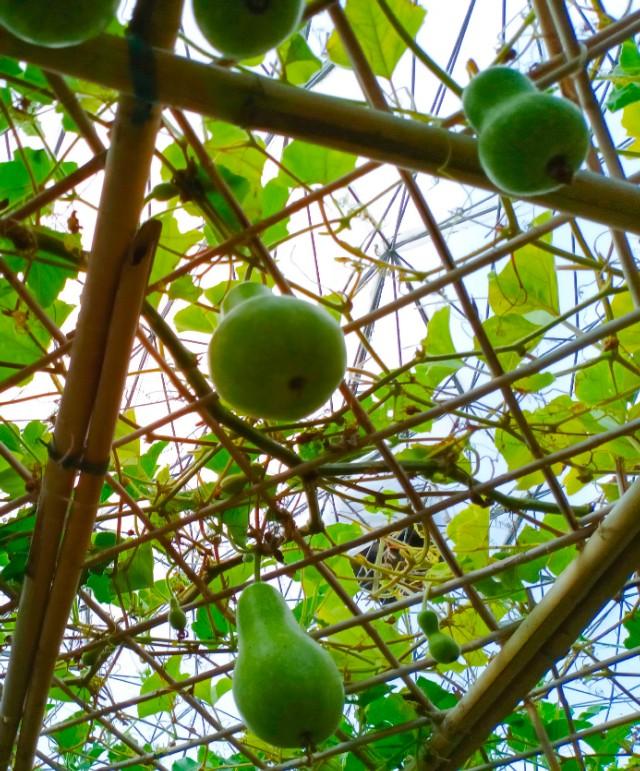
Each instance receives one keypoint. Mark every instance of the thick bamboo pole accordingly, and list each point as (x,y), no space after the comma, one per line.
(257,102)
(547,633)
(129,158)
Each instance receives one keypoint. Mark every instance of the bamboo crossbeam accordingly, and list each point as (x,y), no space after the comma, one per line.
(261,103)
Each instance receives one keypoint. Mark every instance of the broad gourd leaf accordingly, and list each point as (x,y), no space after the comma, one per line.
(603,381)
(72,737)
(527,286)
(469,531)
(628,338)
(312,164)
(195,318)
(438,342)
(382,45)
(47,281)
(631,123)
(173,244)
(632,625)
(274,197)
(508,331)
(517,454)
(233,148)
(183,288)
(134,569)
(154,682)
(17,177)
(24,339)
(625,76)
(299,62)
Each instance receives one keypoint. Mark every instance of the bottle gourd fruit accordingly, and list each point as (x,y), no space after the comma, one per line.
(287,688)
(242,29)
(428,622)
(529,142)
(443,649)
(58,24)
(275,357)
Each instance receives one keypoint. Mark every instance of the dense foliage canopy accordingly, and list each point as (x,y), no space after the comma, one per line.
(478,459)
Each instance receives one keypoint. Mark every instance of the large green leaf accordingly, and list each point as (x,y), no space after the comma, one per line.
(527,286)
(438,342)
(312,164)
(154,682)
(134,569)
(382,45)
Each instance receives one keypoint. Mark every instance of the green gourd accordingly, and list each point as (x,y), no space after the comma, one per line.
(177,616)
(275,357)
(443,649)
(233,484)
(58,24)
(529,142)
(287,688)
(243,29)
(428,622)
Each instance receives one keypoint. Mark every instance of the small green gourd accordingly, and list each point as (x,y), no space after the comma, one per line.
(428,621)
(177,616)
(164,191)
(529,142)
(233,484)
(444,649)
(286,686)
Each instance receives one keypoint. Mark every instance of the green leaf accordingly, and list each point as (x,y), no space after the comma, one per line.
(72,737)
(629,61)
(629,337)
(299,62)
(313,164)
(186,764)
(622,96)
(508,330)
(274,197)
(526,286)
(183,288)
(233,148)
(517,454)
(382,45)
(392,709)
(469,531)
(436,693)
(134,569)
(154,682)
(222,686)
(47,281)
(209,624)
(102,587)
(632,625)
(195,318)
(438,342)
(601,382)
(174,243)
(17,177)
(236,521)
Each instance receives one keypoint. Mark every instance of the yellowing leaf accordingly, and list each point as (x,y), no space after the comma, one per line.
(631,122)
(469,531)
(527,285)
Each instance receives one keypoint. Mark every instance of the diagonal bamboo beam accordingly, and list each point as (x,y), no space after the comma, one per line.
(577,596)
(127,170)
(256,102)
